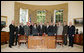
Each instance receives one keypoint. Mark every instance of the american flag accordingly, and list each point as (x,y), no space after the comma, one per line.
(51,19)
(30,19)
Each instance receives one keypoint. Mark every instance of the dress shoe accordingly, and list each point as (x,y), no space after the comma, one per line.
(13,45)
(69,45)
(65,44)
(10,46)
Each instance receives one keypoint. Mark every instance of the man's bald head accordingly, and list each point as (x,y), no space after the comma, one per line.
(70,23)
(13,22)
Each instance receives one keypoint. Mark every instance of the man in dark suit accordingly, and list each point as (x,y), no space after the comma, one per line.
(35,30)
(21,29)
(50,30)
(17,33)
(11,36)
(71,32)
(46,28)
(54,29)
(41,29)
(65,31)
(31,25)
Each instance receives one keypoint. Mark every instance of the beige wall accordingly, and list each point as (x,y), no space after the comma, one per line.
(33,8)
(7,9)
(75,10)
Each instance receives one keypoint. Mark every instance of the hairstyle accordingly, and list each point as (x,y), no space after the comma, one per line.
(64,21)
(47,22)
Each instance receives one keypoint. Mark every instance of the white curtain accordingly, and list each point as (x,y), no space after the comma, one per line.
(23,15)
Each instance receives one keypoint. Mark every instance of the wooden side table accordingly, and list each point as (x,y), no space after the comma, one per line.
(77,39)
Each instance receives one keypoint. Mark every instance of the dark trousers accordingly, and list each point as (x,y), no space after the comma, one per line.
(30,31)
(65,39)
(50,34)
(71,40)
(35,34)
(40,34)
(11,40)
(16,39)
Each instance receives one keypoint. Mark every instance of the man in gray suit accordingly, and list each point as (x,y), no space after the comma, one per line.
(27,29)
(59,29)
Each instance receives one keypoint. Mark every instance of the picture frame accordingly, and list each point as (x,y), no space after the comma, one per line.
(78,21)
(4,19)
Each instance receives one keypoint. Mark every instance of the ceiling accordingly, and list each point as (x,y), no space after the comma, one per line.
(43,2)
(46,2)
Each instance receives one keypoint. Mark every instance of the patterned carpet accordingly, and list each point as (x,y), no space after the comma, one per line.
(23,48)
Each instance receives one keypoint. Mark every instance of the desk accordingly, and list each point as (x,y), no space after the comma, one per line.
(41,42)
(4,36)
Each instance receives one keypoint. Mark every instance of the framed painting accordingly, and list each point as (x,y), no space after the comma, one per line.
(3,20)
(78,21)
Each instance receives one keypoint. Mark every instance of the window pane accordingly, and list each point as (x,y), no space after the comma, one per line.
(59,15)
(41,16)
(23,15)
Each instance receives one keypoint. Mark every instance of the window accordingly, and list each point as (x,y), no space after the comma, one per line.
(23,15)
(41,16)
(58,16)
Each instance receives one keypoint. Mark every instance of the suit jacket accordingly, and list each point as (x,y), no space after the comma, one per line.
(27,30)
(22,30)
(41,30)
(45,29)
(59,30)
(71,30)
(17,30)
(31,29)
(50,29)
(12,29)
(65,29)
(34,30)
(55,29)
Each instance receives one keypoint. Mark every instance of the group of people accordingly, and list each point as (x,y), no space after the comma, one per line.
(33,29)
